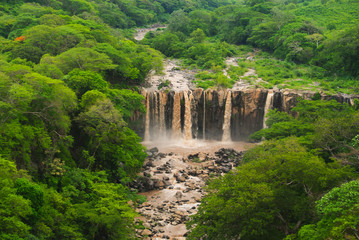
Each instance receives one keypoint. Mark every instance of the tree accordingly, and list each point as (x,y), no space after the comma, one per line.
(267,197)
(83,58)
(316,38)
(77,6)
(35,118)
(339,52)
(127,102)
(337,138)
(43,39)
(169,44)
(179,22)
(13,207)
(82,81)
(105,137)
(90,98)
(198,36)
(338,211)
(262,34)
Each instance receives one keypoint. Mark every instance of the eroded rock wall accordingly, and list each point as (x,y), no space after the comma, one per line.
(208,109)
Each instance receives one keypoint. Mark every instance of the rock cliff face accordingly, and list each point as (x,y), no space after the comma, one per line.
(167,117)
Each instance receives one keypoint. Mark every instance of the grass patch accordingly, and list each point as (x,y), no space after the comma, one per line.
(235,72)
(208,79)
(163,84)
(289,75)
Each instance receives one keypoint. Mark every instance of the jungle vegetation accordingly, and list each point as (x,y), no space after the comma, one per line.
(69,75)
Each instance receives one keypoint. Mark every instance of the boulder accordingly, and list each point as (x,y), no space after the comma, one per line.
(178,194)
(153,150)
(146,232)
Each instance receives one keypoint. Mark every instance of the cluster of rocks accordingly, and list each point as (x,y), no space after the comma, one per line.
(173,185)
(226,156)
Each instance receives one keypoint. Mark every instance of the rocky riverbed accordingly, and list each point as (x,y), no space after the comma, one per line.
(172,184)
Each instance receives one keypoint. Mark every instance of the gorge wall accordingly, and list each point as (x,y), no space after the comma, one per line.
(226,115)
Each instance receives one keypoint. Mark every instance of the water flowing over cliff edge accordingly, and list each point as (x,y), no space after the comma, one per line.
(229,115)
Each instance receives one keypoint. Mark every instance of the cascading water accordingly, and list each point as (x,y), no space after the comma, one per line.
(204,115)
(156,113)
(269,103)
(162,126)
(187,117)
(351,101)
(176,119)
(216,115)
(147,121)
(227,118)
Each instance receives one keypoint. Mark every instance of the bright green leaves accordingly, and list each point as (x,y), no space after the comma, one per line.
(35,118)
(21,95)
(83,58)
(44,39)
(99,208)
(327,124)
(127,102)
(108,213)
(77,6)
(13,208)
(88,208)
(196,50)
(338,210)
(116,148)
(338,53)
(268,196)
(167,43)
(83,81)
(233,207)
(179,22)
(90,98)
(262,35)
(30,191)
(339,199)
(102,112)
(331,131)
(282,125)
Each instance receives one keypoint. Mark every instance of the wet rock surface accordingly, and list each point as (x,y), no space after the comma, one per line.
(173,185)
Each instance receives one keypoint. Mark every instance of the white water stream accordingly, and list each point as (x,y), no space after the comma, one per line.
(176,120)
(269,104)
(147,121)
(227,118)
(188,117)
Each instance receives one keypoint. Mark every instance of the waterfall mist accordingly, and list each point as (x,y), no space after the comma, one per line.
(192,117)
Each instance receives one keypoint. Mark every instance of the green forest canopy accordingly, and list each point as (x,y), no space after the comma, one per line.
(69,70)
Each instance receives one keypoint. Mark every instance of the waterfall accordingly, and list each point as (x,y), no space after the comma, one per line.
(351,100)
(204,115)
(269,103)
(187,117)
(162,114)
(176,118)
(156,117)
(230,115)
(227,118)
(147,123)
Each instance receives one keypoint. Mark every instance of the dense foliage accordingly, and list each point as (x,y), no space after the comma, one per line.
(338,211)
(277,192)
(64,119)
(315,40)
(69,71)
